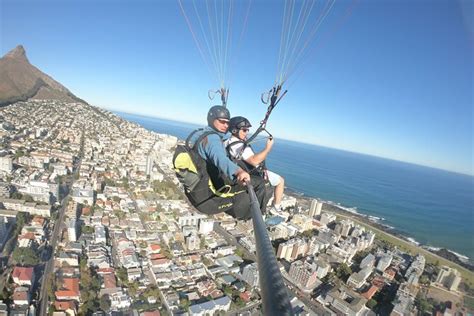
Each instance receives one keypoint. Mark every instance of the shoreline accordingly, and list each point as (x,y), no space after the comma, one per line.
(464,262)
(376,222)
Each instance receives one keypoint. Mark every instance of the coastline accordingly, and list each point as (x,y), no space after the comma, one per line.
(390,234)
(376,222)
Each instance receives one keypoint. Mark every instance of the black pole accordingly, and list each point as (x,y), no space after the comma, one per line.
(274,294)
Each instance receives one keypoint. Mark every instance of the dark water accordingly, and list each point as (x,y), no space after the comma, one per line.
(433,206)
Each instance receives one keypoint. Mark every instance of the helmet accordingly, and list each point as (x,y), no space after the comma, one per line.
(237,123)
(217,112)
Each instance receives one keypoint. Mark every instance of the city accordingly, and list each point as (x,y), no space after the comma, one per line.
(93,222)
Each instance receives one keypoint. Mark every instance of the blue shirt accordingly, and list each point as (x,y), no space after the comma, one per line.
(213,150)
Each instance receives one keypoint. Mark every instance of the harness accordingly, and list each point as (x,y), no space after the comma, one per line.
(201,179)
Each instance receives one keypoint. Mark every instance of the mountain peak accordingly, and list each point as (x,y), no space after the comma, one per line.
(17,53)
(21,81)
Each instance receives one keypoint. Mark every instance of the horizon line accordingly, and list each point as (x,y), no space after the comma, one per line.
(302,142)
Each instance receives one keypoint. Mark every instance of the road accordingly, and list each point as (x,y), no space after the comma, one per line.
(49,266)
(48,269)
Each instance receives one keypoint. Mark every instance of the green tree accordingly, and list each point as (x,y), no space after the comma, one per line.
(28,198)
(85,229)
(423,305)
(184,303)
(25,256)
(371,303)
(17,196)
(343,272)
(122,275)
(104,303)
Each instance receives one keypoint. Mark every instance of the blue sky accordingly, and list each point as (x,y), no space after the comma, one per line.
(394,79)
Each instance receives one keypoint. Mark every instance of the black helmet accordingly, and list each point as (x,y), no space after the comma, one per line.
(237,123)
(217,112)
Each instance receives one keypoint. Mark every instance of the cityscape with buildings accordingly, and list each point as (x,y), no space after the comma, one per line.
(94,222)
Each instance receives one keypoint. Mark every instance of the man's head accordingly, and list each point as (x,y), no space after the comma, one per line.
(239,127)
(218,118)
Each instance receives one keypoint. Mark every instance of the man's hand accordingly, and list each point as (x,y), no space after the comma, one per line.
(269,144)
(242,176)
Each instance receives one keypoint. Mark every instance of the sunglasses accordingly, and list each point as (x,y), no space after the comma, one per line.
(223,122)
(245,130)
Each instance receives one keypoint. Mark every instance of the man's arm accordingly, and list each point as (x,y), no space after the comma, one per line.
(258,158)
(214,150)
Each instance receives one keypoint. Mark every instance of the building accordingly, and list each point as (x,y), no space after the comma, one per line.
(384,262)
(23,275)
(5,190)
(72,230)
(68,290)
(304,274)
(327,218)
(322,267)
(449,278)
(368,261)
(357,280)
(345,301)
(190,219)
(40,191)
(3,229)
(99,234)
(250,274)
(206,225)
(83,195)
(210,307)
(315,208)
(21,296)
(6,164)
(192,242)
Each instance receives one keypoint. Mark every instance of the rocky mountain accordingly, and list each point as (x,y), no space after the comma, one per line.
(21,81)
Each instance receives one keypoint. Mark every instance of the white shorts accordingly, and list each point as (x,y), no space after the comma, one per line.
(273,178)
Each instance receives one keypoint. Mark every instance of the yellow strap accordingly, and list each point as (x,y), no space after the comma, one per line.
(221,194)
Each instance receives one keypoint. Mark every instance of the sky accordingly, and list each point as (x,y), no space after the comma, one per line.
(387,78)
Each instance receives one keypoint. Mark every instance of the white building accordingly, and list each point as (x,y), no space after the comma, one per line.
(6,164)
(41,190)
(327,218)
(449,278)
(315,208)
(250,274)
(99,234)
(210,307)
(368,261)
(192,242)
(190,219)
(72,230)
(83,195)
(384,262)
(206,225)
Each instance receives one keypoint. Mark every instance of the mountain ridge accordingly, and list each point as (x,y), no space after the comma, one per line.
(21,81)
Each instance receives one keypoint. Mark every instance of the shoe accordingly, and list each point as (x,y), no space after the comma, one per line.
(273,210)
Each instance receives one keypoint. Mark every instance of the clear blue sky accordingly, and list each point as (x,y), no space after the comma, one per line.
(395,80)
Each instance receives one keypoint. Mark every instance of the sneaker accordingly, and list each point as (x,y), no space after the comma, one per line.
(273,210)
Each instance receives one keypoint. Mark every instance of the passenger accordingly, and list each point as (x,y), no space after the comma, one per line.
(237,149)
(220,184)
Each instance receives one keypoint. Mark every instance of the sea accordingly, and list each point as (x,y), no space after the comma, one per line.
(430,206)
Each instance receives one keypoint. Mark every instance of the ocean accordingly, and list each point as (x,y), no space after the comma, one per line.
(432,206)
